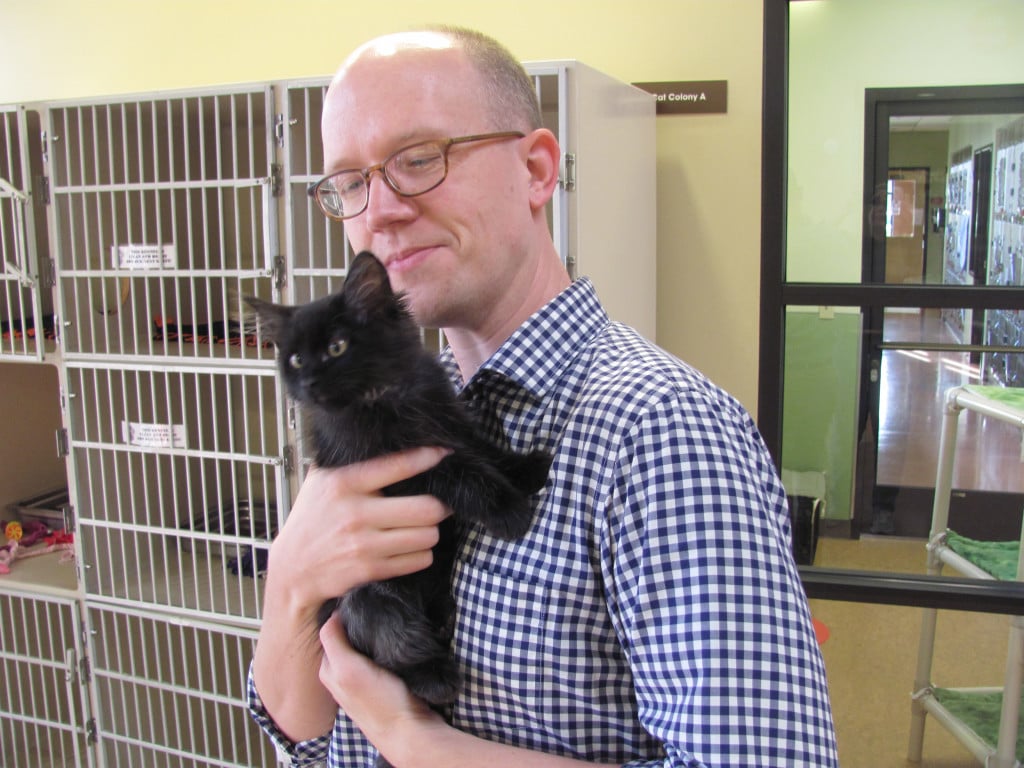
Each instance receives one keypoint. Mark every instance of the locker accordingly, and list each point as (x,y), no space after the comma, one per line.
(182,451)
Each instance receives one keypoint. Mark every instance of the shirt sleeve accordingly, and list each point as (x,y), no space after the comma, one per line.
(303,754)
(705,595)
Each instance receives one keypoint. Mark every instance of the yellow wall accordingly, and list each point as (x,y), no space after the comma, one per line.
(708,166)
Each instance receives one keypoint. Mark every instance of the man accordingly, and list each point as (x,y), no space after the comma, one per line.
(653,614)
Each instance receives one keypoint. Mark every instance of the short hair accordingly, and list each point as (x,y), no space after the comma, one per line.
(510,89)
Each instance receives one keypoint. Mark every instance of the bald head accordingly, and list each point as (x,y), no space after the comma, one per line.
(507,91)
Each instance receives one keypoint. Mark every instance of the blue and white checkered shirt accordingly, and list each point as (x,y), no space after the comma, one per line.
(653,615)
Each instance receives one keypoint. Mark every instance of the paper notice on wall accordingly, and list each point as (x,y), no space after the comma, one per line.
(143,256)
(153,435)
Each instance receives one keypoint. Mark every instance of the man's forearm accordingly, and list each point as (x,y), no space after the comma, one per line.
(286,666)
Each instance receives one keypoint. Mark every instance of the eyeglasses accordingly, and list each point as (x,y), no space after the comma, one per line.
(409,171)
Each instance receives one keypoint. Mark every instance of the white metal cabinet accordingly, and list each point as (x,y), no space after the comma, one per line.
(605,215)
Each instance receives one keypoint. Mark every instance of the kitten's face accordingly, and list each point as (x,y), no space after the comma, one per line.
(342,348)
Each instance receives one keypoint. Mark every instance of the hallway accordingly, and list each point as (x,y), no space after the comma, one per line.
(913,387)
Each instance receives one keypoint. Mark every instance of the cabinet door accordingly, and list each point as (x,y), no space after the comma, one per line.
(44,718)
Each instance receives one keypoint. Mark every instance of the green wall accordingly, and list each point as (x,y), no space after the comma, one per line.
(821,384)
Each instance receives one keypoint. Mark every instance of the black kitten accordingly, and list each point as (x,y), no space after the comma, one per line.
(355,364)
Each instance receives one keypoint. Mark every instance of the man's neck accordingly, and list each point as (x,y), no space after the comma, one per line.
(472,348)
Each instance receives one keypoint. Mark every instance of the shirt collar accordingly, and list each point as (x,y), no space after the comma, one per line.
(540,348)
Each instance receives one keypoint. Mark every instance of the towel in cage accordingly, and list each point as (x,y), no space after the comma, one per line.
(17,328)
(230,332)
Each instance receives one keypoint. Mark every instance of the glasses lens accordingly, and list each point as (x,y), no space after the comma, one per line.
(416,169)
(342,195)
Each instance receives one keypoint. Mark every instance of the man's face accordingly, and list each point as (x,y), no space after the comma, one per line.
(451,250)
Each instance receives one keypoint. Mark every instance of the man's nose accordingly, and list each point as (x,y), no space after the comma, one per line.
(384,205)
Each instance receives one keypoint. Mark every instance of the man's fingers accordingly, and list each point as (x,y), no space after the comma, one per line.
(373,474)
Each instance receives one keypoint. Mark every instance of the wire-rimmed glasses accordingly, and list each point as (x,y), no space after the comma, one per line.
(409,171)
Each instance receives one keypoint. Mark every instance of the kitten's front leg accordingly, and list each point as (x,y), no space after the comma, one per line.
(477,491)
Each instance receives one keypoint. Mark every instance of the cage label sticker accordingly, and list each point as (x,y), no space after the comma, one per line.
(153,435)
(143,256)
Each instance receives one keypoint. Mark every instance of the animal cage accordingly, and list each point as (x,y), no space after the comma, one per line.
(163,218)
(180,479)
(159,213)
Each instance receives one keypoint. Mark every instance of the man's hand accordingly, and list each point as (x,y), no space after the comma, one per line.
(341,533)
(376,700)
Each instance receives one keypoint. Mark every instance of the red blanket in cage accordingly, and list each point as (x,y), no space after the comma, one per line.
(219,332)
(18,328)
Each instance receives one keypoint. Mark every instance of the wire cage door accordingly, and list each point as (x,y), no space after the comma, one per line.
(44,721)
(26,313)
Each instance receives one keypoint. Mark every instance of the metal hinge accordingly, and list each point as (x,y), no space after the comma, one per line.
(85,670)
(62,443)
(568,180)
(48,272)
(276,175)
(280,273)
(44,189)
(90,731)
(288,459)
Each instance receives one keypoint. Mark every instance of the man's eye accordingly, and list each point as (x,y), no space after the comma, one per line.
(349,185)
(417,162)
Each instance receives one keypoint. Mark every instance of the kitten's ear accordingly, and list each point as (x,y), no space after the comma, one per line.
(367,288)
(272,317)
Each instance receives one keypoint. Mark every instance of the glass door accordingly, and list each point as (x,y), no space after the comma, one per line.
(940,218)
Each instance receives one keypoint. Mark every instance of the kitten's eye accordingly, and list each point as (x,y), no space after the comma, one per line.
(295,361)
(337,348)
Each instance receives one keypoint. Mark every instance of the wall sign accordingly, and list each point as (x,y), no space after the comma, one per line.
(688,97)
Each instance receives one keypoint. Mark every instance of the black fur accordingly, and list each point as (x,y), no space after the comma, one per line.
(368,387)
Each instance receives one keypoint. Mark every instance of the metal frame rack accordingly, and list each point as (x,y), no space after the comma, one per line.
(927,699)
(161,212)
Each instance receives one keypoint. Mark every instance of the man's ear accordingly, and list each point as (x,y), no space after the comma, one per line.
(543,156)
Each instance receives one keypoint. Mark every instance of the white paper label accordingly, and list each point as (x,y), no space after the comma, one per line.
(142,256)
(153,435)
